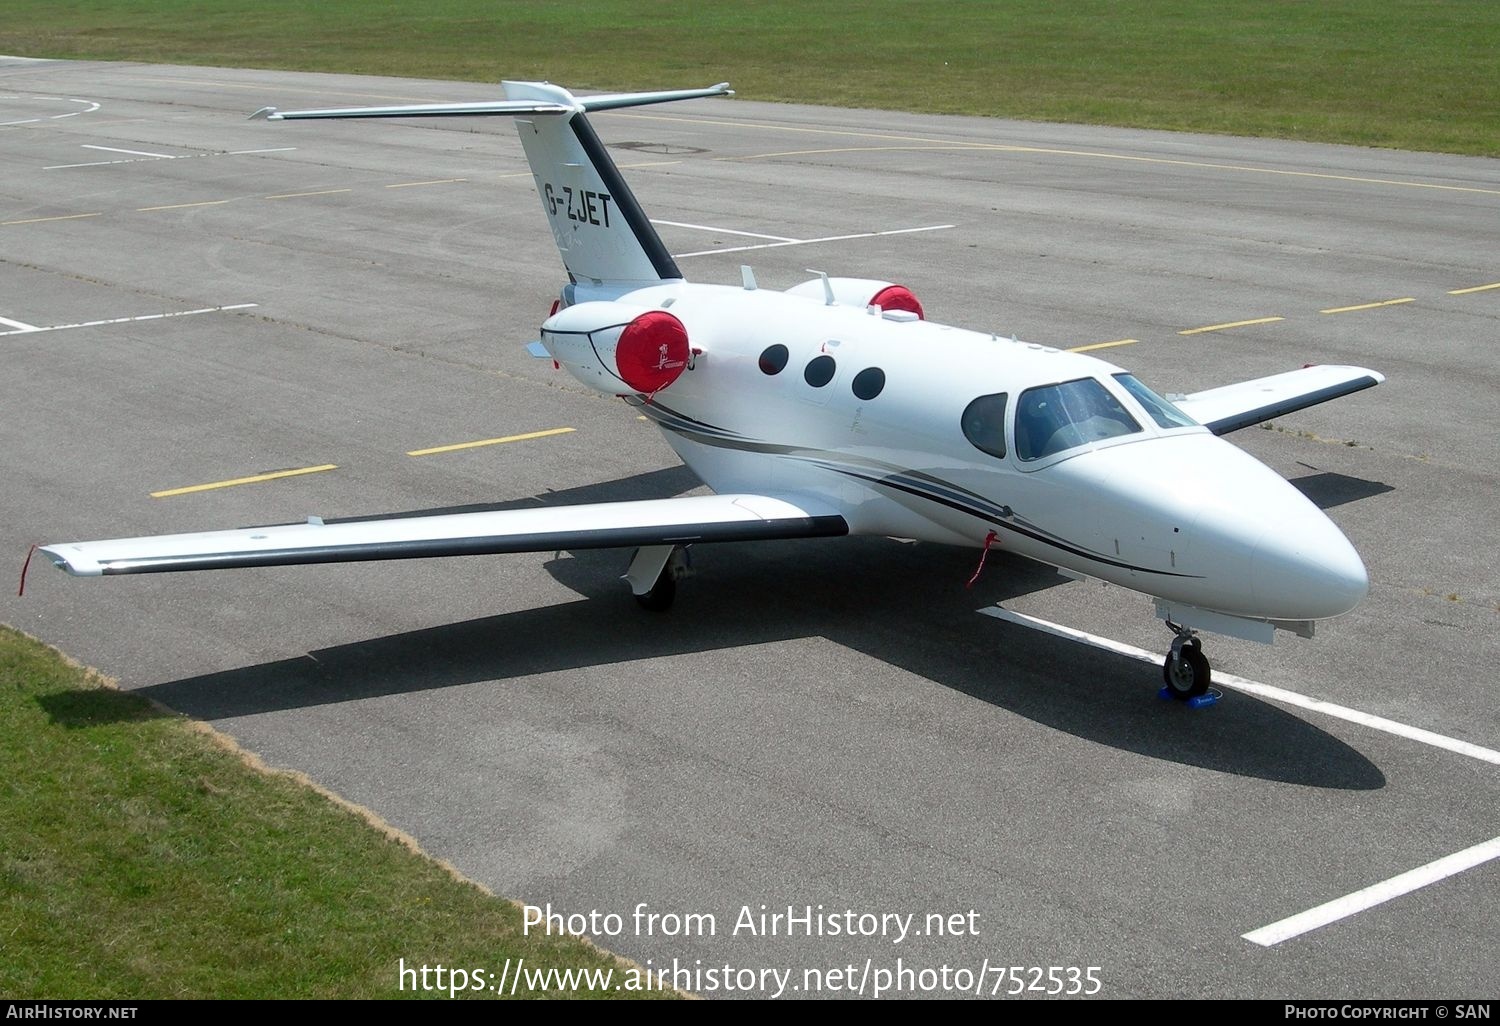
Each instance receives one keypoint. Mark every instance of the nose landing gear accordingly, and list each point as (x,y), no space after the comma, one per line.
(1186,670)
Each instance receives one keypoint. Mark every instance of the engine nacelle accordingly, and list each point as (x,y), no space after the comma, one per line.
(618,349)
(860,292)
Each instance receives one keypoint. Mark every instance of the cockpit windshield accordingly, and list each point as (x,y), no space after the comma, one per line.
(1057,417)
(1163,412)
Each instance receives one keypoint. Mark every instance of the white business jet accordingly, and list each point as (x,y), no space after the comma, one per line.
(835,408)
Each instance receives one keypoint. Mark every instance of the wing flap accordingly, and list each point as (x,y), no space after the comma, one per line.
(677,521)
(1232,407)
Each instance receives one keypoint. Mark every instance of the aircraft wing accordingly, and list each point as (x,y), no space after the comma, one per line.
(1232,407)
(676,521)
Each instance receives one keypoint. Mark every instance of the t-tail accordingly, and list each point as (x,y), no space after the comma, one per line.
(601,231)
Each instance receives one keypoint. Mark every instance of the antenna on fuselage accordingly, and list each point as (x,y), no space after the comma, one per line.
(827,288)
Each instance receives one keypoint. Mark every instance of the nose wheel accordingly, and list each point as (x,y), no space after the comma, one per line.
(1186,670)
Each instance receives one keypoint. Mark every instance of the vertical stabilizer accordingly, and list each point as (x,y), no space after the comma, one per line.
(601,231)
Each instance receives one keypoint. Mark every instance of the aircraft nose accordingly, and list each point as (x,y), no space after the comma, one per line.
(1212,526)
(1307,574)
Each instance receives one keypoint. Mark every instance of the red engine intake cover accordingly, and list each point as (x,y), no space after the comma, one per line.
(653,351)
(897,297)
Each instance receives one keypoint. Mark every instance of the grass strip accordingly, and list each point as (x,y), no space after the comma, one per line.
(144,856)
(1411,74)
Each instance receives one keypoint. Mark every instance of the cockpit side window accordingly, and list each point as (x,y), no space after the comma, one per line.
(1058,417)
(1163,412)
(983,424)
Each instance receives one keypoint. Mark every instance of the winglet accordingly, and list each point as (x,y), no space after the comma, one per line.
(265,114)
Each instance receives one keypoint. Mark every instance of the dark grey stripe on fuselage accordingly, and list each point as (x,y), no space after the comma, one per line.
(827,526)
(625,201)
(911,482)
(1043,537)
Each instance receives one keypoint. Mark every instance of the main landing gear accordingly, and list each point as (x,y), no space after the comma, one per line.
(654,573)
(1186,670)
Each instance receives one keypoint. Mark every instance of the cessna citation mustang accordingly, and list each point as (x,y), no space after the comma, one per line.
(835,408)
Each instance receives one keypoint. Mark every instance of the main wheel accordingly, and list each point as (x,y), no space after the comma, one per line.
(1187,674)
(663,592)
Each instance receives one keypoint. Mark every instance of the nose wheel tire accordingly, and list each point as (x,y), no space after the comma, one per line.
(1186,671)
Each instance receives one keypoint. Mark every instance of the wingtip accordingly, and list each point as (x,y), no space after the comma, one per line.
(55,555)
(266,114)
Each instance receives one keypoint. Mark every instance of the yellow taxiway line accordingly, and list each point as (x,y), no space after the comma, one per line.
(61,217)
(490,441)
(295,195)
(1231,324)
(435,181)
(1104,345)
(243,480)
(1368,306)
(1476,288)
(180,206)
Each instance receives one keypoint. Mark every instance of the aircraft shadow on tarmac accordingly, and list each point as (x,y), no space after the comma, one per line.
(1327,489)
(902,604)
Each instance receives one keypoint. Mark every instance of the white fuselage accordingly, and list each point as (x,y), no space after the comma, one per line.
(1173,512)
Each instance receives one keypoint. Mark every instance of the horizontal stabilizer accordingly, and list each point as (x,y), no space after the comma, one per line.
(602,234)
(562,103)
(420,110)
(1232,407)
(614,101)
(677,521)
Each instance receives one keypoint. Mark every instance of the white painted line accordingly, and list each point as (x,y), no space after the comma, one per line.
(725,231)
(135,153)
(161,156)
(1251,687)
(809,242)
(92,106)
(20,325)
(143,317)
(98,163)
(1376,894)
(89,106)
(1364,719)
